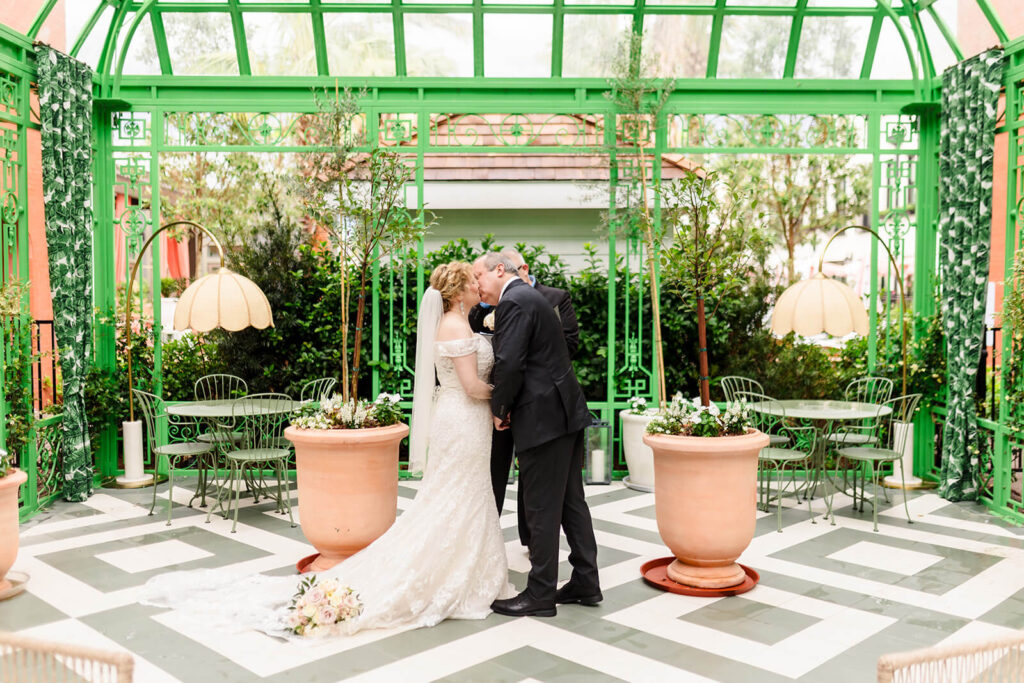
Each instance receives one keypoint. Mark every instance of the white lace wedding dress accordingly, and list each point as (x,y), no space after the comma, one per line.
(443,558)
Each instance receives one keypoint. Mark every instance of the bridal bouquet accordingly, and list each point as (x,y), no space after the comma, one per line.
(683,417)
(337,413)
(320,605)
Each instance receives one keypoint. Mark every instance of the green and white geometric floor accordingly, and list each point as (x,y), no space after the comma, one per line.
(830,601)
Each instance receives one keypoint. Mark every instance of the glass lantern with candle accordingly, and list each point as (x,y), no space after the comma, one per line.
(597,458)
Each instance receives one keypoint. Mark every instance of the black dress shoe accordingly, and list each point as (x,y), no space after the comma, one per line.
(523,605)
(569,593)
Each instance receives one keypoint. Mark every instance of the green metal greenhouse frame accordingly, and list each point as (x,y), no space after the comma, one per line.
(148,88)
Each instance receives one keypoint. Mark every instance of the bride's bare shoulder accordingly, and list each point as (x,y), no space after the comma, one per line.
(453,327)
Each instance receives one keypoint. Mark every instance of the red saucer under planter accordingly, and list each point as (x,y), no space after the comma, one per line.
(655,574)
(303,564)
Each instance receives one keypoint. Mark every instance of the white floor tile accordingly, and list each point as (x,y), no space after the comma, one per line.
(153,556)
(880,556)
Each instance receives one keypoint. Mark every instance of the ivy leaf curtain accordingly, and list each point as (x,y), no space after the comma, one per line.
(65,114)
(969,101)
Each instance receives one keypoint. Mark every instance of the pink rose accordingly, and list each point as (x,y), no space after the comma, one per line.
(327,615)
(315,595)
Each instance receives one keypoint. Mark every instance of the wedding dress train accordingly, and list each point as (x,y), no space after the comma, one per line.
(444,557)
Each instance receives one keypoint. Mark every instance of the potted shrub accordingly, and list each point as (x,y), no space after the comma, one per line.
(705,488)
(346,462)
(705,460)
(346,451)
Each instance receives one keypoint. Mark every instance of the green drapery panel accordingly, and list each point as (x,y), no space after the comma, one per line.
(969,103)
(65,115)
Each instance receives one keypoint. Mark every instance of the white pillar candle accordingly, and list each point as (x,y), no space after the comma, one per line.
(597,469)
(133,466)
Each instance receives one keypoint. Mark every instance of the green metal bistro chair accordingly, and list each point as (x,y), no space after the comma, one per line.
(153,410)
(774,460)
(889,449)
(776,436)
(220,387)
(318,389)
(875,390)
(732,384)
(260,446)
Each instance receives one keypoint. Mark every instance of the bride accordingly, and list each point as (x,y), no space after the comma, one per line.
(444,557)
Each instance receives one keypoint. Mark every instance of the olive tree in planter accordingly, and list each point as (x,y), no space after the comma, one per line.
(346,450)
(705,460)
(638,100)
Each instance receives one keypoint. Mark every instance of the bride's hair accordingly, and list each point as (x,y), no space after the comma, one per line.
(450,279)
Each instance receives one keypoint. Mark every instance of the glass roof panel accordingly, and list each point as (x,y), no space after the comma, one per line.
(891,59)
(754,46)
(93,45)
(677,45)
(142,56)
(687,3)
(439,44)
(628,3)
(280,44)
(349,2)
(846,4)
(590,42)
(201,43)
(517,45)
(437,2)
(75,16)
(762,3)
(360,44)
(942,54)
(519,2)
(832,47)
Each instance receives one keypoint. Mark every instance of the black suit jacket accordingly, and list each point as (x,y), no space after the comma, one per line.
(559,300)
(534,384)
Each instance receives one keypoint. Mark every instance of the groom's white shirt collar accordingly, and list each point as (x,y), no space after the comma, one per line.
(507,283)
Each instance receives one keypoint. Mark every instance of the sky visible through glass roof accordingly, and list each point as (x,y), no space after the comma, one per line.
(726,39)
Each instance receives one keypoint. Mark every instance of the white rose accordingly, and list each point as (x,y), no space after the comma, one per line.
(489,321)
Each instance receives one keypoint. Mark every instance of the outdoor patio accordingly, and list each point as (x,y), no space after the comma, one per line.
(831,600)
(219,219)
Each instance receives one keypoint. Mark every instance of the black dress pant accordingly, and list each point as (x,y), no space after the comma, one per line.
(502,450)
(551,480)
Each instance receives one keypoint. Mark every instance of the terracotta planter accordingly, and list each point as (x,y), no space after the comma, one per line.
(9,522)
(639,458)
(705,494)
(347,486)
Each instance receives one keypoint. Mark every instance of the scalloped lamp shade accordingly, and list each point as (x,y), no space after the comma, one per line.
(818,305)
(223,299)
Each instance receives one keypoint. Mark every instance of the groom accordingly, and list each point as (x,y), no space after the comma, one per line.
(536,395)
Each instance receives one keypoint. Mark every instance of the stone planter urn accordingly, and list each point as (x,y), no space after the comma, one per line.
(639,457)
(347,488)
(9,486)
(705,495)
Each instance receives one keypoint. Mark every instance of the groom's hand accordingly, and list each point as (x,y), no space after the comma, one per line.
(499,424)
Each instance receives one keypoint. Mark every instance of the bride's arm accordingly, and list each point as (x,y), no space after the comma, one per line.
(465,368)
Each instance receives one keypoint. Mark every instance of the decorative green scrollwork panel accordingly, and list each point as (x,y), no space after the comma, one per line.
(49,449)
(633,373)
(569,132)
(804,132)
(270,131)
(11,106)
(397,130)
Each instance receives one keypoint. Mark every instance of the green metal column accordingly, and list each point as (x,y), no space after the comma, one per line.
(925,253)
(104,287)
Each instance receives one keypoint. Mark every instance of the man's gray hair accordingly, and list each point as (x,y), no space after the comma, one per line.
(493,259)
(514,256)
